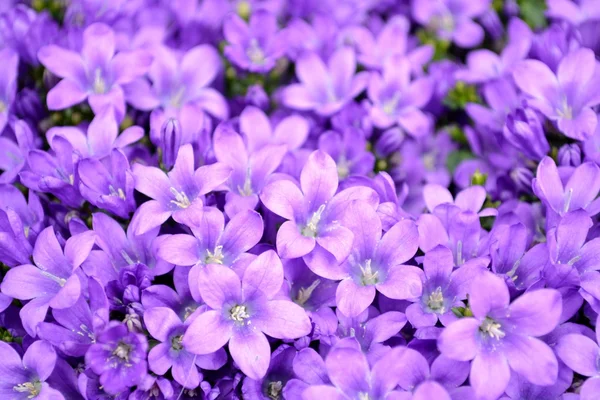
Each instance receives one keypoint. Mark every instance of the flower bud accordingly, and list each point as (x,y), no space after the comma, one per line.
(569,155)
(170,141)
(523,129)
(256,96)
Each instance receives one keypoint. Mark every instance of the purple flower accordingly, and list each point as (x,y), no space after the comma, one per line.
(274,384)
(349,151)
(243,311)
(119,357)
(391,41)
(97,74)
(485,65)
(353,378)
(398,100)
(260,132)
(443,287)
(325,88)
(566,97)
(13,153)
(170,141)
(578,192)
(54,279)
(26,378)
(180,89)
(165,326)
(8,83)
(376,262)
(524,130)
(102,135)
(502,100)
(255,46)
(470,199)
(250,171)
(77,327)
(309,369)
(580,353)
(452,20)
(174,193)
(108,183)
(502,336)
(313,230)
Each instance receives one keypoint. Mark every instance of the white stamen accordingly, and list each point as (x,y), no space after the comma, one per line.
(215,257)
(33,388)
(117,193)
(57,279)
(176,342)
(274,390)
(177,99)
(565,111)
(247,189)
(389,106)
(369,277)
(181,199)
(343,168)
(364,396)
(2,106)
(459,255)
(305,293)
(99,83)
(310,230)
(239,313)
(436,301)
(569,195)
(122,351)
(255,53)
(126,257)
(492,328)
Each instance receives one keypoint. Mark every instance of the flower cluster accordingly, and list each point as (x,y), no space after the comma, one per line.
(299,199)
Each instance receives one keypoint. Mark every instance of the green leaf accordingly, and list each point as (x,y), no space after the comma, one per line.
(533,12)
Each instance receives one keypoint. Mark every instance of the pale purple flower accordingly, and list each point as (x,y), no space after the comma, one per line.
(501,337)
(8,83)
(174,193)
(349,151)
(54,279)
(254,46)
(567,96)
(96,74)
(243,311)
(469,199)
(325,88)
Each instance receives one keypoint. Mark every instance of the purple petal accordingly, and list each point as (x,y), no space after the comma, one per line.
(283,198)
(319,179)
(490,374)
(399,244)
(180,250)
(352,299)
(531,358)
(488,292)
(536,313)
(402,282)
(283,319)
(65,94)
(208,333)
(264,274)
(459,340)
(320,392)
(40,357)
(348,370)
(580,353)
(219,284)
(251,352)
(291,243)
(160,321)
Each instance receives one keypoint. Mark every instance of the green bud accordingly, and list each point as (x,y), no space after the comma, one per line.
(460,95)
(244,9)
(478,179)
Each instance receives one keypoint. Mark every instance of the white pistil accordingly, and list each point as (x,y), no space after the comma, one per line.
(369,277)
(492,328)
(436,301)
(122,351)
(565,111)
(99,82)
(215,257)
(343,167)
(305,293)
(181,199)
(247,189)
(57,279)
(117,193)
(33,388)
(274,390)
(568,197)
(255,53)
(459,254)
(239,313)
(364,396)
(310,230)
(177,99)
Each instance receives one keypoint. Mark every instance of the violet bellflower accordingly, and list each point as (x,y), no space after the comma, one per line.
(376,262)
(13,153)
(580,353)
(452,20)
(254,46)
(170,141)
(165,326)
(501,337)
(53,281)
(309,369)
(26,378)
(180,89)
(243,311)
(349,151)
(119,358)
(325,88)
(8,83)
(274,383)
(443,287)
(313,212)
(250,171)
(174,193)
(524,130)
(567,96)
(96,74)
(398,100)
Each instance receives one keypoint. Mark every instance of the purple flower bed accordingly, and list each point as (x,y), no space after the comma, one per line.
(299,199)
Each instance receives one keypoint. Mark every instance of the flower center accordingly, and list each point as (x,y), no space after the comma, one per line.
(310,230)
(492,328)
(443,22)
(189,310)
(255,53)
(176,343)
(122,351)
(305,293)
(57,279)
(363,396)
(369,277)
(181,199)
(274,390)
(33,388)
(389,107)
(239,313)
(117,193)
(2,106)
(176,100)
(215,257)
(99,82)
(247,189)
(435,302)
(343,168)
(565,110)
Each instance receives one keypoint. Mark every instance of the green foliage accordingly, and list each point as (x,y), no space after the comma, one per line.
(440,46)
(456,157)
(460,95)
(532,12)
